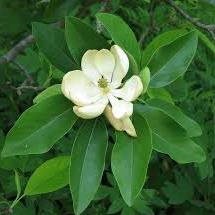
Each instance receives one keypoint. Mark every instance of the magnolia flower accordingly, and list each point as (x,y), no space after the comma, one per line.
(98,88)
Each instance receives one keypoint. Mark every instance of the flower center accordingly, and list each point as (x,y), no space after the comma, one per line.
(103,83)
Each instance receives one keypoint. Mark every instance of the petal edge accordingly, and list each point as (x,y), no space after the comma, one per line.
(91,111)
(79,89)
(131,90)
(121,65)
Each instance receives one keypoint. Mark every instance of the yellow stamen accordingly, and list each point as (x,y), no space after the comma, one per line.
(103,83)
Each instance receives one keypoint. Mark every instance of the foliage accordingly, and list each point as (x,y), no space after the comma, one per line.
(46,149)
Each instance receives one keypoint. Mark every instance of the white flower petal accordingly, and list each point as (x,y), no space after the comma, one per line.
(120,108)
(105,63)
(121,65)
(124,124)
(88,66)
(91,111)
(129,127)
(79,89)
(116,123)
(131,89)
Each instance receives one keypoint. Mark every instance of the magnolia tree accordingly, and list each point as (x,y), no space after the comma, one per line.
(108,100)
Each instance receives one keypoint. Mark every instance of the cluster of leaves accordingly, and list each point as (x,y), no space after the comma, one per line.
(170,187)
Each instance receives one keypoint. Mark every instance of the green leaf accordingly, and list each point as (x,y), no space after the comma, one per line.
(44,75)
(128,211)
(140,206)
(160,93)
(13,20)
(158,42)
(47,93)
(180,192)
(205,169)
(81,37)
(172,61)
(39,127)
(130,158)
(87,162)
(102,193)
(51,42)
(133,67)
(50,176)
(193,129)
(121,34)
(152,197)
(178,89)
(116,206)
(57,10)
(170,138)
(206,41)
(29,61)
(145,78)
(9,163)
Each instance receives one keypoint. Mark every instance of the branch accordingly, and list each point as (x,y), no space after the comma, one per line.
(17,49)
(194,21)
(27,75)
(28,87)
(24,87)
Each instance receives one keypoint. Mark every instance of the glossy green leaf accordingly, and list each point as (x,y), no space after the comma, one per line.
(80,37)
(50,176)
(51,42)
(133,67)
(160,93)
(178,89)
(158,42)
(29,61)
(206,41)
(87,162)
(193,129)
(39,127)
(47,93)
(9,163)
(169,137)
(130,158)
(123,36)
(145,78)
(172,61)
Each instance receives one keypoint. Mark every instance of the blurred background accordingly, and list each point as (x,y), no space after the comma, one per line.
(24,72)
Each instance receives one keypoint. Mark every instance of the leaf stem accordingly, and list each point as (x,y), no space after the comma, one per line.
(16,201)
